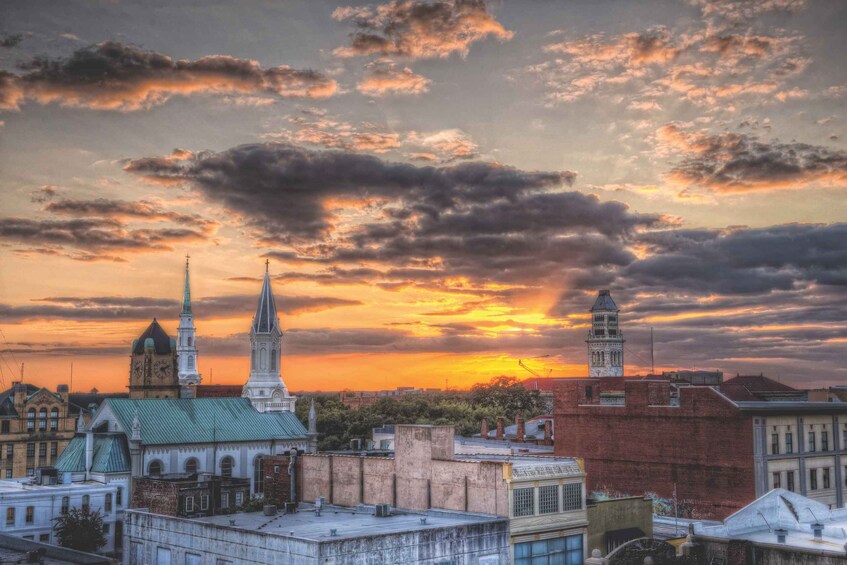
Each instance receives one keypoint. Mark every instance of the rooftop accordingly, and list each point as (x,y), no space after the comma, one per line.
(604,302)
(16,550)
(349,523)
(161,340)
(13,486)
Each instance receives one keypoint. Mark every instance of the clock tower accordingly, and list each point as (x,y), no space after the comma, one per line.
(153,370)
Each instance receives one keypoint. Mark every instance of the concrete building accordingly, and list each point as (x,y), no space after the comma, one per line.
(35,426)
(614,521)
(721,447)
(536,444)
(780,527)
(330,534)
(17,550)
(27,510)
(543,498)
(605,339)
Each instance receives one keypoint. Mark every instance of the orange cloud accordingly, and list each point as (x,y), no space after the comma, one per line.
(389,80)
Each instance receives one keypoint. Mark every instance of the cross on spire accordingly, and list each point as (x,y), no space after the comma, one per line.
(267,264)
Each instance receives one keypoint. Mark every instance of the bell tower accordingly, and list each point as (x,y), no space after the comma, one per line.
(186,347)
(605,339)
(265,387)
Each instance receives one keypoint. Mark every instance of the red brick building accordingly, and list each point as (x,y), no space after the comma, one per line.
(640,435)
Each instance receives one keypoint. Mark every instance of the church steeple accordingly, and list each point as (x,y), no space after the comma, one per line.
(186,342)
(265,387)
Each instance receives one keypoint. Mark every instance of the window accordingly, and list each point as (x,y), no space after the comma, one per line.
(258,476)
(789,483)
(30,450)
(189,504)
(30,420)
(66,502)
(239,498)
(193,559)
(54,449)
(189,341)
(775,444)
(812,441)
(10,450)
(155,467)
(813,479)
(566,550)
(523,502)
(42,450)
(10,516)
(224,500)
(4,427)
(42,419)
(163,556)
(30,514)
(204,502)
(191,466)
(191,361)
(8,473)
(107,505)
(843,438)
(776,481)
(548,499)
(119,496)
(789,443)
(273,359)
(571,497)
(86,503)
(105,528)
(226,467)
(824,440)
(54,419)
(826,478)
(44,538)
(30,472)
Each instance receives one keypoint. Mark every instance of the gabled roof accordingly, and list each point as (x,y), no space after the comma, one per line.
(604,302)
(266,318)
(759,383)
(7,399)
(111,455)
(168,421)
(161,340)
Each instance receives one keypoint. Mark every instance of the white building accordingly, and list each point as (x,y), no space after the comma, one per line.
(186,345)
(27,510)
(605,339)
(265,387)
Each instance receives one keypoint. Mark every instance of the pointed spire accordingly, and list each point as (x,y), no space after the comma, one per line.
(186,295)
(266,317)
(136,427)
(80,423)
(313,419)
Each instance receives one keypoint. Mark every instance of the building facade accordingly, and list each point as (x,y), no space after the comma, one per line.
(265,387)
(647,435)
(190,495)
(605,339)
(35,426)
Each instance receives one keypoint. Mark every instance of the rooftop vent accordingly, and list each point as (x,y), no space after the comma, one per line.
(270,509)
(383,510)
(817,528)
(333,532)
(780,534)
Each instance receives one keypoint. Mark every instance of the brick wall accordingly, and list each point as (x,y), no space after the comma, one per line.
(160,497)
(278,481)
(704,445)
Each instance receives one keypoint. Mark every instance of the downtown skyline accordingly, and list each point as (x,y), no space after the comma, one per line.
(441,188)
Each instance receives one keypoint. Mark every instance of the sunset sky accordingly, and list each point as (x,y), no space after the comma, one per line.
(441,188)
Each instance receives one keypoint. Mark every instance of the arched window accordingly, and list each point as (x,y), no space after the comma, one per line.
(107,506)
(42,419)
(226,467)
(30,420)
(155,467)
(191,466)
(191,361)
(602,357)
(258,475)
(273,359)
(54,419)
(190,341)
(263,359)
(253,360)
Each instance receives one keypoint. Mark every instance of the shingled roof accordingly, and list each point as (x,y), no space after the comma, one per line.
(604,302)
(161,340)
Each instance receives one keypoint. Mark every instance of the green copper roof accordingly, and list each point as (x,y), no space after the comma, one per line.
(167,421)
(110,455)
(186,295)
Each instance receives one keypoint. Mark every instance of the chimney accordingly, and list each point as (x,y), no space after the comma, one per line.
(817,528)
(20,392)
(483,429)
(520,433)
(499,434)
(89,453)
(548,432)
(780,534)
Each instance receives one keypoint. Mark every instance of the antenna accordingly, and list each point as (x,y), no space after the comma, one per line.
(652,354)
(71,386)
(22,371)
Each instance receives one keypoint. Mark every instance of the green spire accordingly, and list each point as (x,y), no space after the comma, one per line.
(186,295)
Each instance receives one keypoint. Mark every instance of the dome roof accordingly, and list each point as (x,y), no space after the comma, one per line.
(161,340)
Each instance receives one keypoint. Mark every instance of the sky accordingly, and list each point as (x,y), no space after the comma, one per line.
(440,188)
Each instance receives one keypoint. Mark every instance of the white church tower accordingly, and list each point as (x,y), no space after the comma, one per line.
(186,348)
(265,387)
(605,340)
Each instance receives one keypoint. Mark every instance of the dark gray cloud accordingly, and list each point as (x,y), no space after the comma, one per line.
(114,76)
(122,210)
(11,40)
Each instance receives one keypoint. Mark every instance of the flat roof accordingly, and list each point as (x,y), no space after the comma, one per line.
(22,486)
(349,523)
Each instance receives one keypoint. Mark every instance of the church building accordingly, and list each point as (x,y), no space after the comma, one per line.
(265,387)
(605,339)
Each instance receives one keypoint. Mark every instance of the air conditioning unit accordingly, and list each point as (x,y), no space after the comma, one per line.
(383,510)
(356,444)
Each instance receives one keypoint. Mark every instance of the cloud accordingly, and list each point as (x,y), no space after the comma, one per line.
(731,162)
(11,40)
(332,133)
(737,11)
(114,76)
(122,210)
(452,144)
(129,308)
(386,80)
(416,29)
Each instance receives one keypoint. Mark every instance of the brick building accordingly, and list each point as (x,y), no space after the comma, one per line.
(197,494)
(721,447)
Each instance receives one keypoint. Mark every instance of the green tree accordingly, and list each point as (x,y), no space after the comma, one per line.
(80,529)
(508,396)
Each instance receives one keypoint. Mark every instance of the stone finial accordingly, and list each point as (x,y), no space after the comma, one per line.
(313,418)
(136,427)
(596,553)
(80,423)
